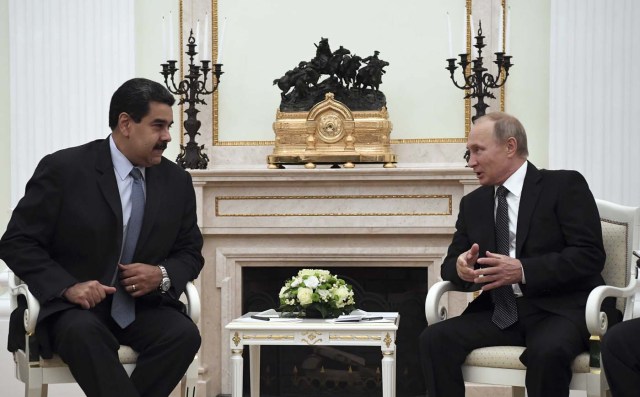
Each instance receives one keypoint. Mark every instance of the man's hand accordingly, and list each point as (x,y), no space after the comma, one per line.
(88,294)
(139,278)
(466,263)
(499,270)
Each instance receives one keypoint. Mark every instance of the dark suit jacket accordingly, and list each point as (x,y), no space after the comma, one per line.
(558,241)
(68,226)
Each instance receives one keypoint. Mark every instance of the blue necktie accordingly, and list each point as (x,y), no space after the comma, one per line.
(505,311)
(123,308)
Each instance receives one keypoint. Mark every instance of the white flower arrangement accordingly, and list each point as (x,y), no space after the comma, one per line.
(316,290)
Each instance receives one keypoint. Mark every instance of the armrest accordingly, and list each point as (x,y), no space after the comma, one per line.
(597,321)
(193,302)
(18,287)
(432,309)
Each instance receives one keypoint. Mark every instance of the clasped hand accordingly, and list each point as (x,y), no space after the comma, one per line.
(137,279)
(498,270)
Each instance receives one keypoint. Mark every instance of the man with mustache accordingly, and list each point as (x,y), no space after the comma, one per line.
(106,237)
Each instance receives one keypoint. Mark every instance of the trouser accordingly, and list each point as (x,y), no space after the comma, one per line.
(621,358)
(552,343)
(88,342)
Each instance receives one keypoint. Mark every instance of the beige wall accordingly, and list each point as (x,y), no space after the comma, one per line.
(148,52)
(528,84)
(527,88)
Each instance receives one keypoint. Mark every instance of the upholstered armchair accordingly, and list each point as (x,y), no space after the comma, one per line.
(500,365)
(37,373)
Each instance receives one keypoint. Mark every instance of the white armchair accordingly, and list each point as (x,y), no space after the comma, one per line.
(38,373)
(500,365)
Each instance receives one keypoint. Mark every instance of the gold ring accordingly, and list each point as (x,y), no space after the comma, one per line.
(133,287)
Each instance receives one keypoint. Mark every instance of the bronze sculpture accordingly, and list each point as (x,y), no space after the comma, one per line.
(354,85)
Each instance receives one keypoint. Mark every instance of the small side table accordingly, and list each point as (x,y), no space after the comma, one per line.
(245,331)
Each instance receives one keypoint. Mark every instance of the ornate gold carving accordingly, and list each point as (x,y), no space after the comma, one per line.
(388,340)
(332,134)
(267,337)
(354,337)
(330,128)
(236,338)
(449,210)
(311,337)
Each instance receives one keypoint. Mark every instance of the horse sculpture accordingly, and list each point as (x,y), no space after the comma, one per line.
(349,69)
(299,78)
(333,65)
(371,75)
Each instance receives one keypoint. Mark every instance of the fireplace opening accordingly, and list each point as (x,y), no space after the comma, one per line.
(323,371)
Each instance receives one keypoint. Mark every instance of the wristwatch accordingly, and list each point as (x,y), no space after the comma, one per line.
(165,284)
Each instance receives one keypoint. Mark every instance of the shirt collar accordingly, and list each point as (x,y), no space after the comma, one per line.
(516,181)
(121,165)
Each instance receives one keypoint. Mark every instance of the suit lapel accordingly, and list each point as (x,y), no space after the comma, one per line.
(530,193)
(153,184)
(488,242)
(107,183)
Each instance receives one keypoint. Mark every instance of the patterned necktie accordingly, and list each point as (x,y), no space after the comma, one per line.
(123,309)
(505,311)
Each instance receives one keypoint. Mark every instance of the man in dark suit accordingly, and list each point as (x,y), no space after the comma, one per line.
(621,358)
(535,269)
(67,239)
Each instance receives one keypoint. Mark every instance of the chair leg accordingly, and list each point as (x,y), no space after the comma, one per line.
(190,381)
(39,390)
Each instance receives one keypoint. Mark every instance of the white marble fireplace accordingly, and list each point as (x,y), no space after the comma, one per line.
(362,217)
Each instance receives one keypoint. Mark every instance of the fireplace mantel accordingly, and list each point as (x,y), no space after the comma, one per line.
(368,216)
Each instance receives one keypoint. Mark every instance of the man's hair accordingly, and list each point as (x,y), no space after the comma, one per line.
(133,97)
(506,126)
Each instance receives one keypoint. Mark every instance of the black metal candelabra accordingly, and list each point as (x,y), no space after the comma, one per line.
(190,90)
(477,80)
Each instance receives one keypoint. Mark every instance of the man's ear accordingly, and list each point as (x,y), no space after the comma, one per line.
(512,146)
(124,123)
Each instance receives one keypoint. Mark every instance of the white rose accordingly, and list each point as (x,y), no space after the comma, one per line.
(282,292)
(324,295)
(305,296)
(311,282)
(296,281)
(342,293)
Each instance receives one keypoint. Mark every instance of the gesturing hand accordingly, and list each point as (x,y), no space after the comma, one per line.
(88,294)
(498,270)
(466,263)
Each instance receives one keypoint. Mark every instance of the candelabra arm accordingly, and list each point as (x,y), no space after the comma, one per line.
(462,87)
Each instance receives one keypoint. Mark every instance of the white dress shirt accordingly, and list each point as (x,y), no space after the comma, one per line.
(122,167)
(514,184)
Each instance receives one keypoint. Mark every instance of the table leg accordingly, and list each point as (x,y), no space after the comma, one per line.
(236,371)
(388,374)
(254,361)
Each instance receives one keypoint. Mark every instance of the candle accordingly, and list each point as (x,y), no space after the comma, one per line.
(464,30)
(473,32)
(171,37)
(164,41)
(508,32)
(221,41)
(205,48)
(500,30)
(198,42)
(449,34)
